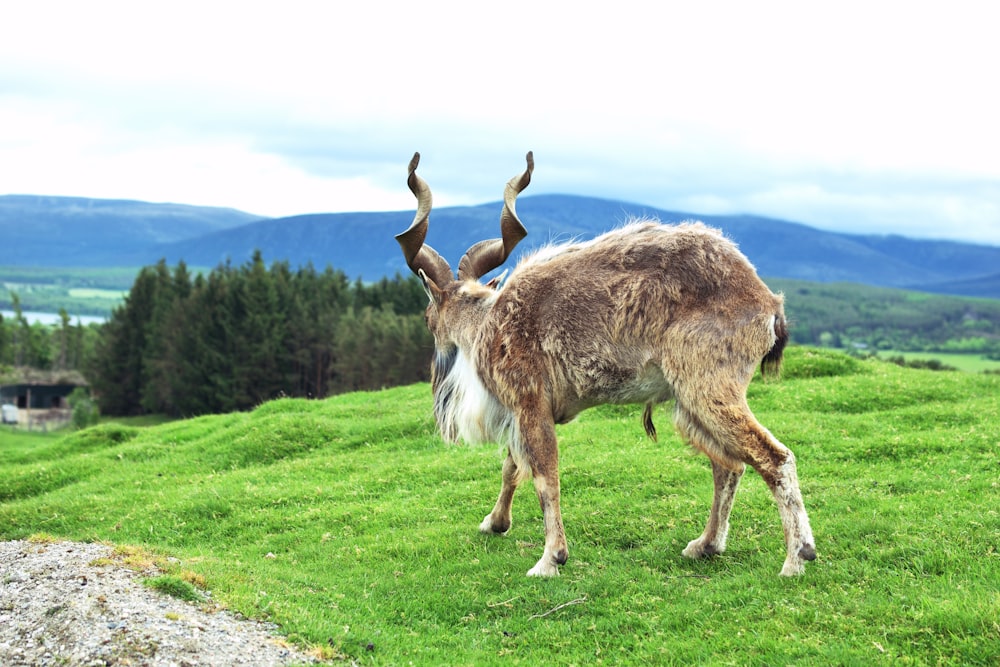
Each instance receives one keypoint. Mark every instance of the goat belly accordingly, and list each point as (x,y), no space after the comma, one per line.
(621,381)
(648,386)
(645,385)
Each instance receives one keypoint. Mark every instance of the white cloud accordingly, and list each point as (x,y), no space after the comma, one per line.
(850,116)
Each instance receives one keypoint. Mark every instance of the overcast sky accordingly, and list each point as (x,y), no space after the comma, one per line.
(871,117)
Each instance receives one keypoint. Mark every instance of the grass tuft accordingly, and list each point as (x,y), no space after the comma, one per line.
(175,587)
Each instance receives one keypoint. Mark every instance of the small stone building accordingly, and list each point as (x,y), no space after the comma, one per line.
(39,397)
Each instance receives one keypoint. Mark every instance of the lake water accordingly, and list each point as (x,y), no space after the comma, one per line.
(53,318)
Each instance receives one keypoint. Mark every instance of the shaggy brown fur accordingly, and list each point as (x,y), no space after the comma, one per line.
(642,314)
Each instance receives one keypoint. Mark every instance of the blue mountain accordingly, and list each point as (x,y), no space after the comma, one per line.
(76,232)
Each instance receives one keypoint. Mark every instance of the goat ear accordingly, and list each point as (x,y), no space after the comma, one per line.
(494,283)
(434,293)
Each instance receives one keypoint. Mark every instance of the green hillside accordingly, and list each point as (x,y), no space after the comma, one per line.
(349,523)
(80,291)
(855,316)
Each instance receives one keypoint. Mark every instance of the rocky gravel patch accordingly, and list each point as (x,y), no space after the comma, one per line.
(69,603)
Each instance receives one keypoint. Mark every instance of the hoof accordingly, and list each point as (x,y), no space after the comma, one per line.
(793,569)
(544,569)
(695,549)
(489,528)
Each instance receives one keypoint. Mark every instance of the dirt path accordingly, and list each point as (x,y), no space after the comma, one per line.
(71,603)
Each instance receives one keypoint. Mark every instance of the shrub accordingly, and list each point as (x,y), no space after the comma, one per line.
(85,412)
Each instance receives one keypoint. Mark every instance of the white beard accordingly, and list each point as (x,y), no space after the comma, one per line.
(466,411)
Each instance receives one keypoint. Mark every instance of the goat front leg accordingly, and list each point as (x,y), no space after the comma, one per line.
(542,454)
(713,540)
(499,520)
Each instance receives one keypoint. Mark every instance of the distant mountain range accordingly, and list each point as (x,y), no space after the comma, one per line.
(75,232)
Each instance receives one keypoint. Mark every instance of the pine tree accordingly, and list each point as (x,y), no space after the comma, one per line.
(63,336)
(4,344)
(118,369)
(255,335)
(162,332)
(20,330)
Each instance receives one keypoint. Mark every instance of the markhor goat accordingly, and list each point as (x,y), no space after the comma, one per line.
(642,314)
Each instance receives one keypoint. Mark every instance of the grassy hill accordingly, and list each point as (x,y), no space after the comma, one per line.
(348,522)
(879,318)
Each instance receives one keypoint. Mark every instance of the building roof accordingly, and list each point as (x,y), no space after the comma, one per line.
(33,376)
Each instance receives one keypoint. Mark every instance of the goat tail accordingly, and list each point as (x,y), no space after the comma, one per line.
(771,363)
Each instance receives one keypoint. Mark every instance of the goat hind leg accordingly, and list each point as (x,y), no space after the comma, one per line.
(713,539)
(776,464)
(499,520)
(798,533)
(727,430)
(726,474)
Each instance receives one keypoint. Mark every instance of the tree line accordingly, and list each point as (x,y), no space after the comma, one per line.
(63,347)
(241,335)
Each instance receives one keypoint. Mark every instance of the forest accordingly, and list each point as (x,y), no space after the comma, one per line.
(185,343)
(242,335)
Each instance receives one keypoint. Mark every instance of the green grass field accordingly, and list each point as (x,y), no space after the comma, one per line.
(349,523)
(81,291)
(13,439)
(95,293)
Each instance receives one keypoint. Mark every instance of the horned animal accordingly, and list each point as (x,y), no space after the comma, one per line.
(642,314)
